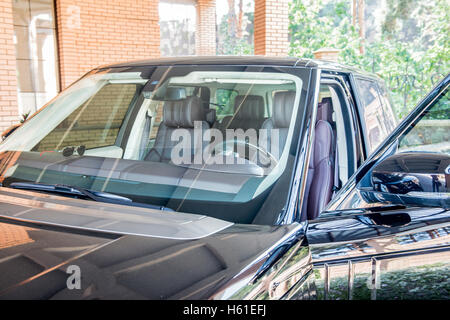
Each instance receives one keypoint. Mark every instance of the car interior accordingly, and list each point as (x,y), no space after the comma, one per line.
(328,169)
(332,160)
(131,154)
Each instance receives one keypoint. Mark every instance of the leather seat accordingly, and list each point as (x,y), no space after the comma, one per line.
(248,114)
(320,181)
(210,115)
(177,115)
(283,104)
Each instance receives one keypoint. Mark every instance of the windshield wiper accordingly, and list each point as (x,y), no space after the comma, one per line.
(84,193)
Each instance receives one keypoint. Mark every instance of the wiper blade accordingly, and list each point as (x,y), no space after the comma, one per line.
(82,192)
(65,189)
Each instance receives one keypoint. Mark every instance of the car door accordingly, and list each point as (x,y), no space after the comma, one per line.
(364,249)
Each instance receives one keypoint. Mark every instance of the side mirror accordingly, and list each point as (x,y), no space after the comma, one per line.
(412,178)
(10,130)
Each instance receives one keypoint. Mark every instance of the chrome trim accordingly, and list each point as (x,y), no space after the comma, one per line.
(326,284)
(351,279)
(383,256)
(295,293)
(375,278)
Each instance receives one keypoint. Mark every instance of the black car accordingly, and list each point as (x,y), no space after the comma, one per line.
(226,178)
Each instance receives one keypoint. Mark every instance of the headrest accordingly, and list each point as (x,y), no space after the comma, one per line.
(325,110)
(183,113)
(283,104)
(249,107)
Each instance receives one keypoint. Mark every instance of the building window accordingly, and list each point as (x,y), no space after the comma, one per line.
(36,58)
(177,20)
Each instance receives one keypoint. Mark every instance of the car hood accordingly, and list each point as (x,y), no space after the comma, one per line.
(98,216)
(123,252)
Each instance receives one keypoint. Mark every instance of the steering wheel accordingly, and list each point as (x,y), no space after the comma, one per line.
(228,147)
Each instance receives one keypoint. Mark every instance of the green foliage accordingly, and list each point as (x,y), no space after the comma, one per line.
(228,43)
(225,100)
(311,30)
(232,45)
(24,117)
(411,53)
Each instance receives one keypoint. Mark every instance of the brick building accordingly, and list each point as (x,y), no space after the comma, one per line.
(45,45)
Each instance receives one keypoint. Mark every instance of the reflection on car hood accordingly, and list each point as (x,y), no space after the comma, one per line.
(35,261)
(120,219)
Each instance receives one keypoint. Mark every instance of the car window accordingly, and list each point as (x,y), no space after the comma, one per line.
(225,102)
(373,113)
(390,119)
(172,151)
(432,132)
(98,120)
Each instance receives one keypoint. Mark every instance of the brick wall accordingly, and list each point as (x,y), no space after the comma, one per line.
(271,27)
(8,79)
(329,54)
(205,35)
(92,33)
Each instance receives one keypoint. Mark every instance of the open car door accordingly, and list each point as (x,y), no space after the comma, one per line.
(386,234)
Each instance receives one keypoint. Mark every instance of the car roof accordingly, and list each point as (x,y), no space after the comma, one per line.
(242,60)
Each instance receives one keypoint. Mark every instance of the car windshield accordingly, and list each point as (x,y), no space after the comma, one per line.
(206,140)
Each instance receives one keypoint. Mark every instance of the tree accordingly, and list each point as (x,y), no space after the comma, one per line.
(411,52)
(235,31)
(361,25)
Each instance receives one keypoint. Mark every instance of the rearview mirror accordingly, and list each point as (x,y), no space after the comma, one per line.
(165,93)
(412,178)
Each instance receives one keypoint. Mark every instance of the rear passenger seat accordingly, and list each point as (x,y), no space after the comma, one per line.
(283,104)
(248,114)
